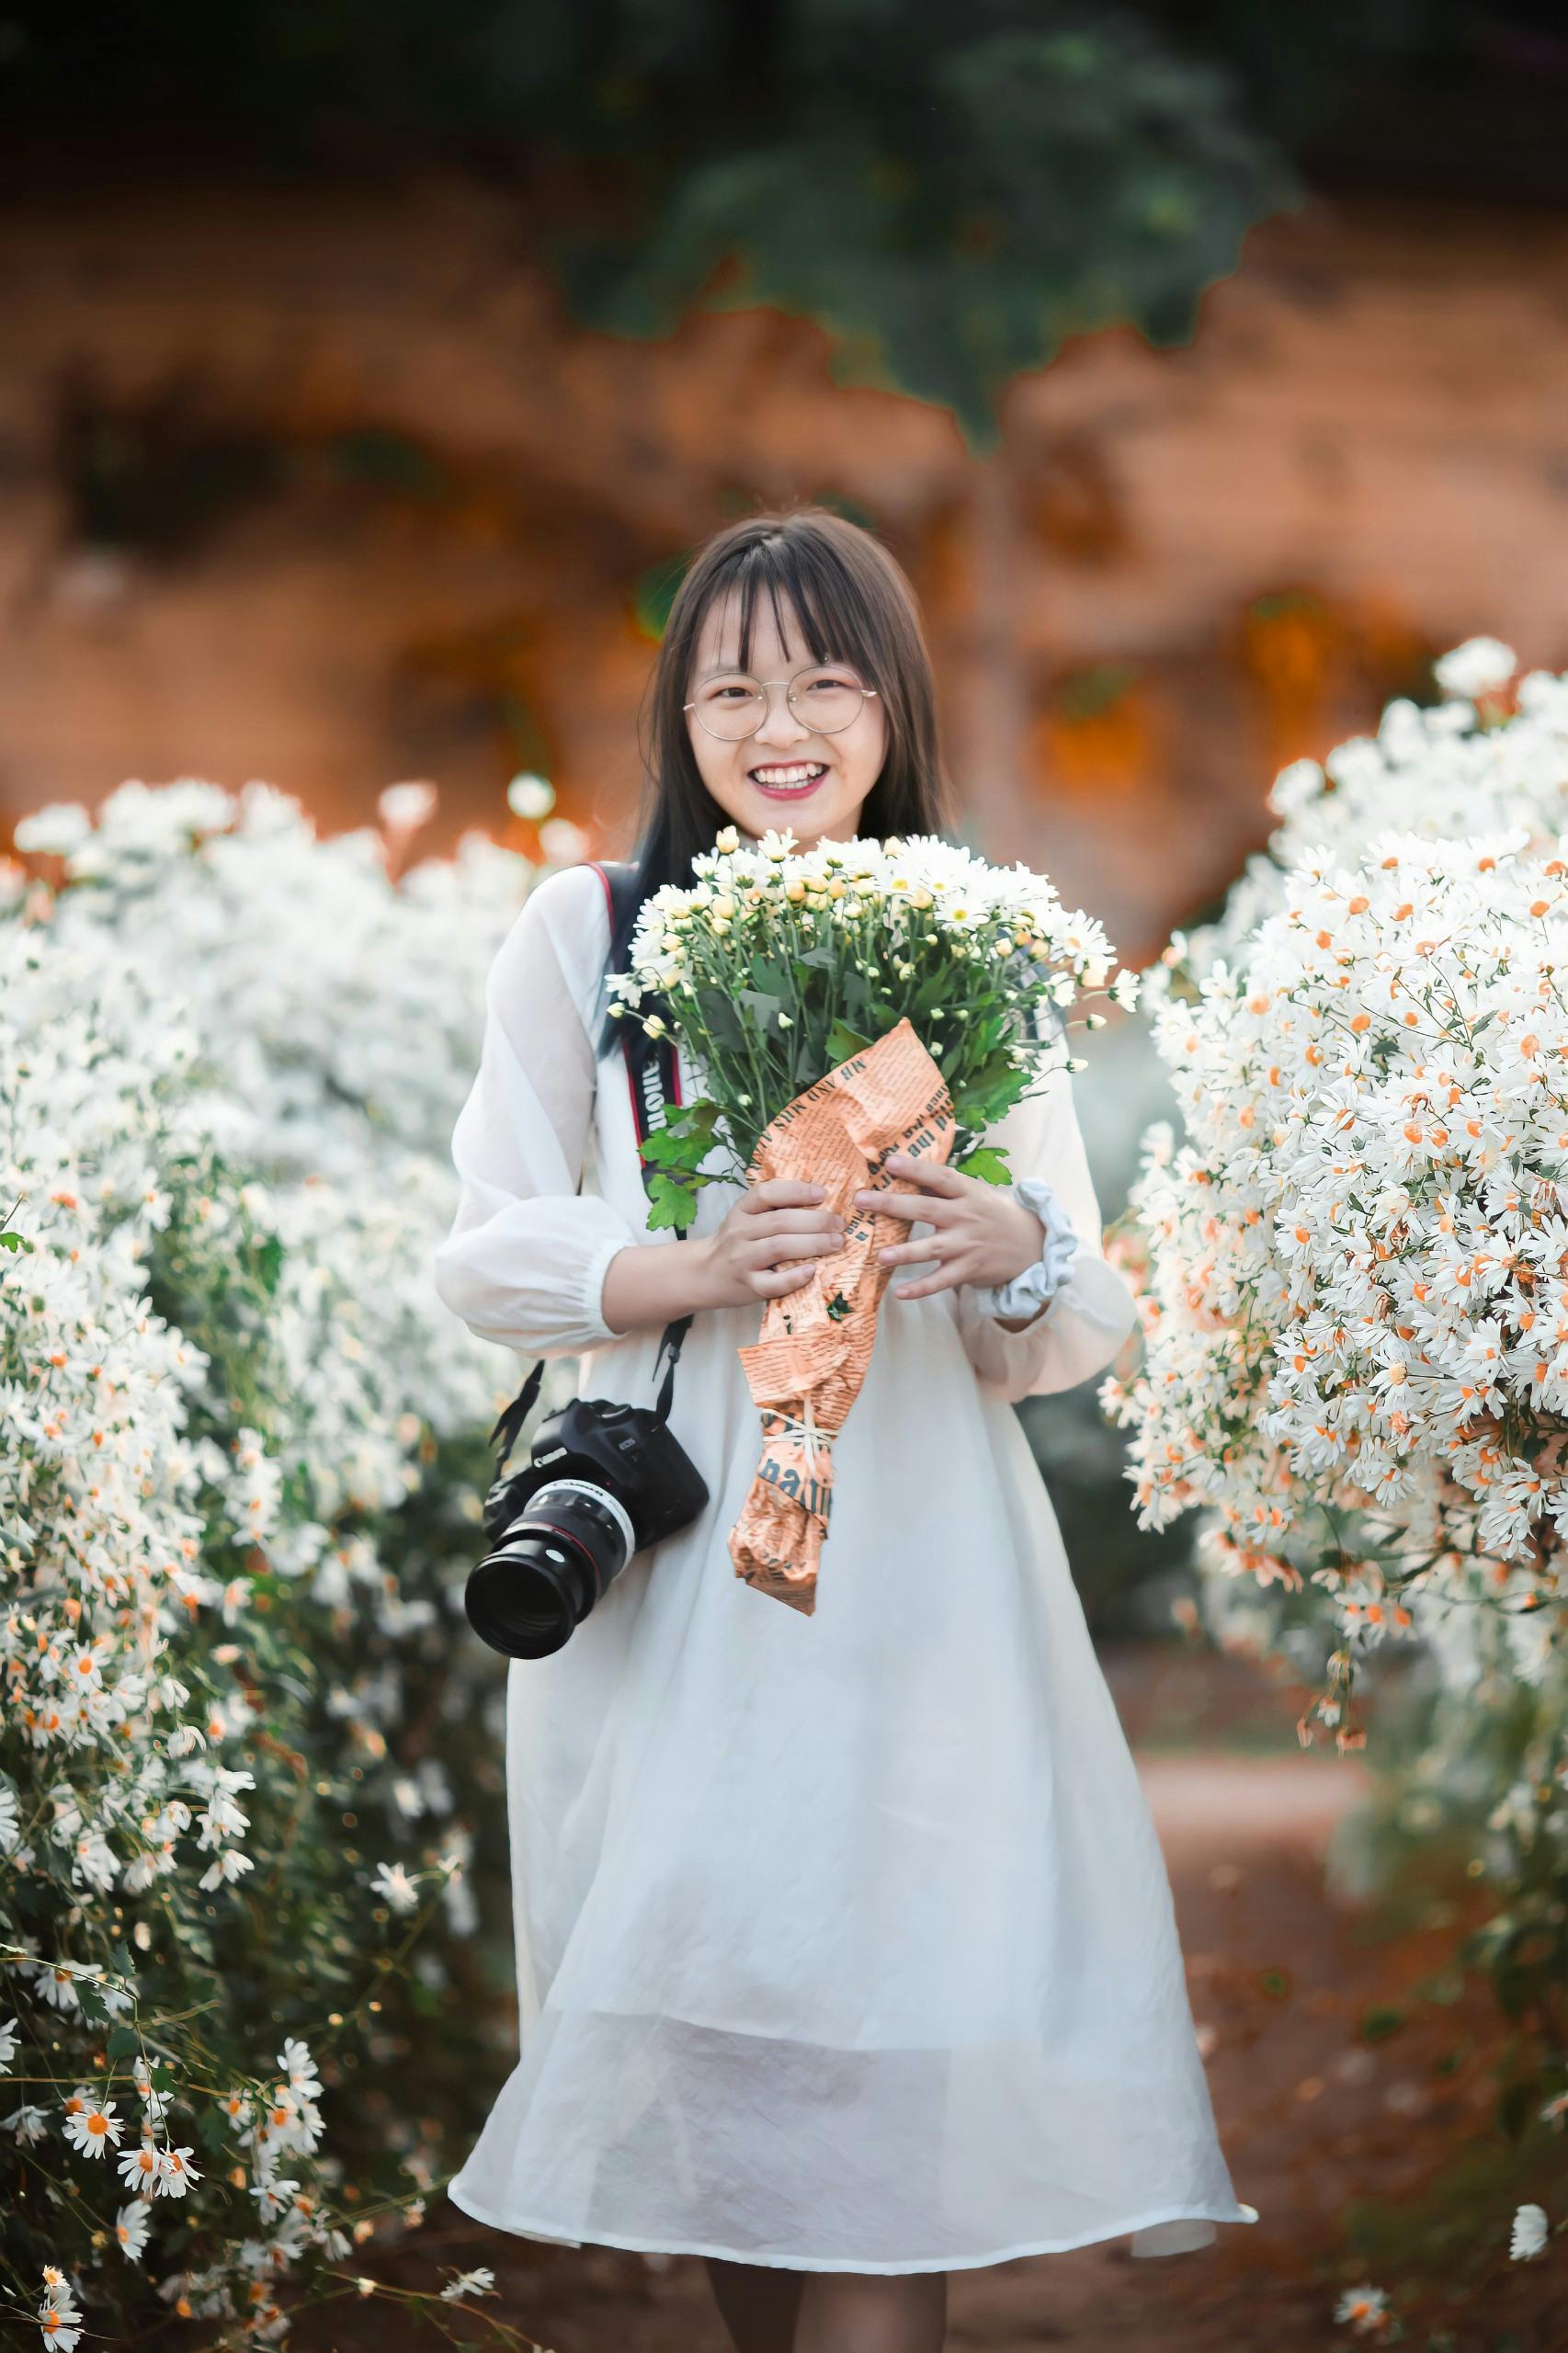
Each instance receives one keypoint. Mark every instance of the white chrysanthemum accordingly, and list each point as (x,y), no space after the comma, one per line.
(91,2124)
(1476,668)
(478,2282)
(176,2173)
(58,2316)
(54,832)
(1355,1259)
(139,2167)
(391,1881)
(131,2224)
(1365,2308)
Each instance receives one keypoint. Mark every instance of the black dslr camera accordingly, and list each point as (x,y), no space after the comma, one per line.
(602,1481)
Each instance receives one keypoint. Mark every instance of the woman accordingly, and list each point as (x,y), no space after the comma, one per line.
(846,1949)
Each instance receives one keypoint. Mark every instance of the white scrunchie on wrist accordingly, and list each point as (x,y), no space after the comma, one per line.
(1021,1300)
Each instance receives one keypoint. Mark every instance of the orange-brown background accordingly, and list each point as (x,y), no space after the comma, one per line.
(401,511)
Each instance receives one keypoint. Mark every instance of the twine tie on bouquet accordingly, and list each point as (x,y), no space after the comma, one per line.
(803,1426)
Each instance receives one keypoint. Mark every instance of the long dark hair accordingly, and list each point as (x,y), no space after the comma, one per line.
(854,603)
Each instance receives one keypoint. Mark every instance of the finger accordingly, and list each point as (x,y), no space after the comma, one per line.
(935,1174)
(811,1221)
(783,1192)
(931,1206)
(768,1252)
(899,1254)
(773,1284)
(945,1279)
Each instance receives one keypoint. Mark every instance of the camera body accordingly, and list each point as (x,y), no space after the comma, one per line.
(603,1480)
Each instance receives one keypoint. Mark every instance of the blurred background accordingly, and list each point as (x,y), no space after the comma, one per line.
(369,370)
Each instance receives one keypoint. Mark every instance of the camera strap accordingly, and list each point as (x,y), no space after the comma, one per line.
(653,1088)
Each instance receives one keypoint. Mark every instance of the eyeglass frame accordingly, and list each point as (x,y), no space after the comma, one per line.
(789,686)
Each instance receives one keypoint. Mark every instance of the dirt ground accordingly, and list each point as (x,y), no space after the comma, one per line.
(1351,2074)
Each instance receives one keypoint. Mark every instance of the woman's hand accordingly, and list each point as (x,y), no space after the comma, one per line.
(984,1234)
(769,1242)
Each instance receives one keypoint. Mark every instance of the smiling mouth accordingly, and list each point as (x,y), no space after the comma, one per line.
(791,783)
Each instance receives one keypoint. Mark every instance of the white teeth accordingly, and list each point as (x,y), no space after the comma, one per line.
(790,776)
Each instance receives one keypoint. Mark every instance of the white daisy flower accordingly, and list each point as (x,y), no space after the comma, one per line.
(391,1881)
(1529,2233)
(175,2172)
(479,2282)
(140,2167)
(1475,668)
(131,2224)
(90,2124)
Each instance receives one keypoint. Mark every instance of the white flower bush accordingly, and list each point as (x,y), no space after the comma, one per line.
(1354,1278)
(241,1461)
(1357,1313)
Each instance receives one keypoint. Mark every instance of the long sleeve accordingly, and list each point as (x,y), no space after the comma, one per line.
(524,1262)
(1084,1324)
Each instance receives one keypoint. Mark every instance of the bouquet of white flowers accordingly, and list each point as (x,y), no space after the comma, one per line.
(843,1002)
(776,964)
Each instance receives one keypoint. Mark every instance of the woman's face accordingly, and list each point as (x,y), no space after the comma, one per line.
(785,775)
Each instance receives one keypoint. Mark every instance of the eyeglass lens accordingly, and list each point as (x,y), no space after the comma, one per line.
(826,701)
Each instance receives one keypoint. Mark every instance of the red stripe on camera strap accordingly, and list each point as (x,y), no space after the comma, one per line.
(655,1089)
(656,1086)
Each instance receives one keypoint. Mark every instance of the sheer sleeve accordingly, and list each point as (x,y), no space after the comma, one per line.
(1084,1322)
(525,1260)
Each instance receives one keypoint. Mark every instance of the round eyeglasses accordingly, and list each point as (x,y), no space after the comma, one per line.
(827,700)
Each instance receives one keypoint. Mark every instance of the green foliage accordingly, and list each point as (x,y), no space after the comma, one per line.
(988,1161)
(950,196)
(676,1150)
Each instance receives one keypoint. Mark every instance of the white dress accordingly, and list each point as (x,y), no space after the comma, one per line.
(843,1942)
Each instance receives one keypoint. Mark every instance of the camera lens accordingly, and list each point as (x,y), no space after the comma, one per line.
(551,1565)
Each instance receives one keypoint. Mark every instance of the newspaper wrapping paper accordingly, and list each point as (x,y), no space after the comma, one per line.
(807,1366)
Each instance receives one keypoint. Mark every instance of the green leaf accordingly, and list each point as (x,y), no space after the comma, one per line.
(269,1262)
(671,1204)
(717,1014)
(765,1005)
(685,1139)
(988,1161)
(843,1041)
